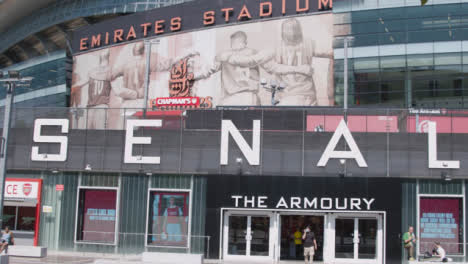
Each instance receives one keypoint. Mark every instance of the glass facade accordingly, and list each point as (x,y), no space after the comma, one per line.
(48,86)
(408,56)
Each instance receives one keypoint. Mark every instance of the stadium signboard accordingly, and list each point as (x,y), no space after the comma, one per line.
(188,16)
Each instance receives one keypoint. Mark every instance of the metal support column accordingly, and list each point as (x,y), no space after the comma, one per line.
(147,74)
(10,88)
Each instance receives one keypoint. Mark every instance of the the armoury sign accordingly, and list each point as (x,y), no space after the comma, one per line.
(188,16)
(252,152)
(309,203)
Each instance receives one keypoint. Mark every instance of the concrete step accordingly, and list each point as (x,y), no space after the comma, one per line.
(27,251)
(171,258)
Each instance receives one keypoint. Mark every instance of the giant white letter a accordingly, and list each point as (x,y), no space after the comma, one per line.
(331,153)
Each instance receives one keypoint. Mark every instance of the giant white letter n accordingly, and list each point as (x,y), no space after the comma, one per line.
(252,154)
(331,153)
(432,153)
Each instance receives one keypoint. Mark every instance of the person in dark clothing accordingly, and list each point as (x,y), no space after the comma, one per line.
(310,245)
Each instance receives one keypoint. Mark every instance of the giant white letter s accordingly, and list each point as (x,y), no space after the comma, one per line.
(252,154)
(130,140)
(38,138)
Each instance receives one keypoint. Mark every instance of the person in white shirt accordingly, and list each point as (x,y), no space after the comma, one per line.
(440,252)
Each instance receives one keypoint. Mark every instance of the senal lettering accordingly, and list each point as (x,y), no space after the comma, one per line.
(228,130)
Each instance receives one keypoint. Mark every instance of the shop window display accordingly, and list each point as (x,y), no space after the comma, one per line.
(168,219)
(97,216)
(441,220)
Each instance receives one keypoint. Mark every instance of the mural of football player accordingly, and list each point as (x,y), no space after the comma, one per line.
(291,64)
(239,80)
(99,87)
(297,52)
(133,77)
(130,92)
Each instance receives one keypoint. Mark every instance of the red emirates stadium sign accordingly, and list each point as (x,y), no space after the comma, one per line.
(175,101)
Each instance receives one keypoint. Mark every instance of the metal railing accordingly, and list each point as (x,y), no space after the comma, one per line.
(136,243)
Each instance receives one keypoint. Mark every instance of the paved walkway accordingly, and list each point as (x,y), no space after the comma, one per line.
(115,259)
(52,259)
(63,259)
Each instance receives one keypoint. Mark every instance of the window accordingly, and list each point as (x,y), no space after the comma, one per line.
(168,218)
(9,217)
(26,218)
(97,212)
(441,220)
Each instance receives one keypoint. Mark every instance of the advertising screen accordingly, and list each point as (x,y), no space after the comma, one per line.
(98,215)
(440,221)
(234,65)
(168,219)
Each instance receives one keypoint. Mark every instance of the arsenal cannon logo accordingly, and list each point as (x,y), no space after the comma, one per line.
(27,188)
(180,90)
(181,80)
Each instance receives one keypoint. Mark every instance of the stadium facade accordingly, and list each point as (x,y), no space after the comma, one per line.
(217,128)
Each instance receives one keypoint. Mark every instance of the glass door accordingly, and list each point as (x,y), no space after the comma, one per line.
(247,236)
(358,239)
(237,244)
(344,238)
(367,246)
(259,235)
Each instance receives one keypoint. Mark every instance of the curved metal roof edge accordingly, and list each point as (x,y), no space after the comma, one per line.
(66,10)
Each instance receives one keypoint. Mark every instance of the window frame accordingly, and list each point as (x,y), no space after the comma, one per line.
(117,214)
(189,223)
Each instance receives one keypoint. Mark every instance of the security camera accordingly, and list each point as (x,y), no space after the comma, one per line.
(263,82)
(239,160)
(342,161)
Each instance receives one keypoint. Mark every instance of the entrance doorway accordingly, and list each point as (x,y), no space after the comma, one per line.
(257,235)
(248,236)
(292,226)
(358,239)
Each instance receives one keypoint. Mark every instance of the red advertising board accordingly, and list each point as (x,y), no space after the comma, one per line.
(356,123)
(445,124)
(175,101)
